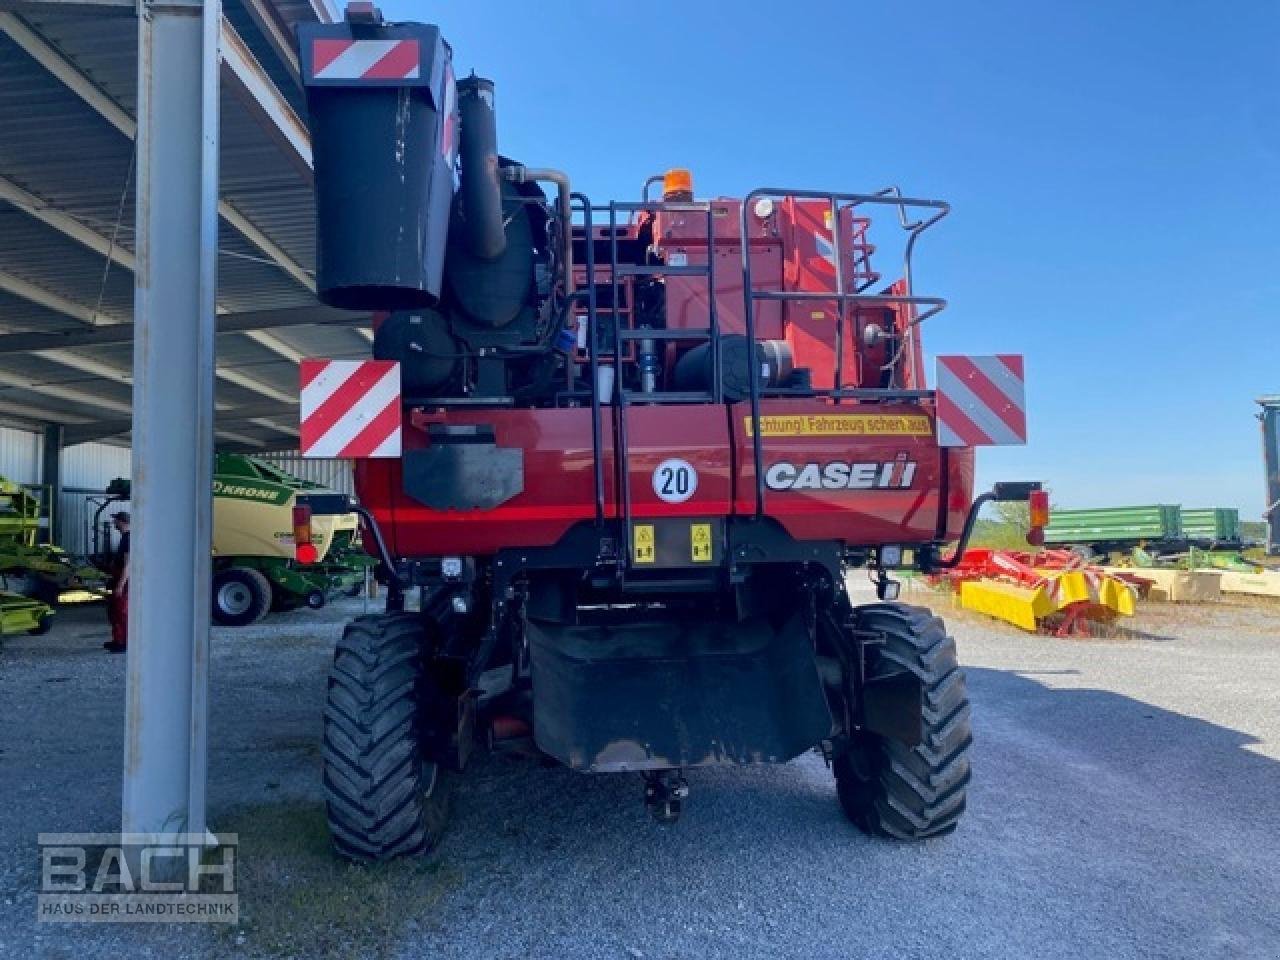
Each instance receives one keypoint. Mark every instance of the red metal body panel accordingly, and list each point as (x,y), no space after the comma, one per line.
(559,489)
(862,473)
(559,485)
(791,250)
(897,435)
(684,236)
(698,434)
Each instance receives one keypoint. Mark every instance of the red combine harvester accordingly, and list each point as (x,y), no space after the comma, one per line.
(641,444)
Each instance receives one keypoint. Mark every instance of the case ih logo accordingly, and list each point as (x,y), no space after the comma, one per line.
(841,475)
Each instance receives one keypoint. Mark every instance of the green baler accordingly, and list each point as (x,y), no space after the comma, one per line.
(254,570)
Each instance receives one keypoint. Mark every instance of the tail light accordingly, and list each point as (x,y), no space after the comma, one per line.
(1038,515)
(1038,508)
(304,550)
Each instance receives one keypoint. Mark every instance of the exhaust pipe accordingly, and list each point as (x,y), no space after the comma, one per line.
(480,186)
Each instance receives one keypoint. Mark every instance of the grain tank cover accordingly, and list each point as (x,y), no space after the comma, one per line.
(383,118)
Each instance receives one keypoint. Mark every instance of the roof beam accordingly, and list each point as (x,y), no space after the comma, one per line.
(276,34)
(39,415)
(65,224)
(48,299)
(59,355)
(275,345)
(87,430)
(85,6)
(227,324)
(268,248)
(326,11)
(70,227)
(261,97)
(64,392)
(246,73)
(69,393)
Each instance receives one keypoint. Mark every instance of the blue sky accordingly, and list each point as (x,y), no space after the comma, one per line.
(1114,168)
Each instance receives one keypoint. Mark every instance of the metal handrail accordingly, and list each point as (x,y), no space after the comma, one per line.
(619,413)
(890,196)
(597,442)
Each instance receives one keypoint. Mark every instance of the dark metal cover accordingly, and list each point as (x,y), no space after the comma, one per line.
(656,695)
(464,476)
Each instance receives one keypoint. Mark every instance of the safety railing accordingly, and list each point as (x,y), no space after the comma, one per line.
(922,308)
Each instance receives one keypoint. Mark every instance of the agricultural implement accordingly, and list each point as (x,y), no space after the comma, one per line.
(256,566)
(1050,591)
(30,567)
(624,455)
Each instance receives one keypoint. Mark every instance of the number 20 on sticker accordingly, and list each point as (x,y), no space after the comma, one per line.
(675,480)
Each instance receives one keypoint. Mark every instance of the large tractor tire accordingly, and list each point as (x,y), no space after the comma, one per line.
(384,798)
(241,596)
(889,789)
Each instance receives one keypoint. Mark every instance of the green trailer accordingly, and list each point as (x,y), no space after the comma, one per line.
(1115,528)
(1211,525)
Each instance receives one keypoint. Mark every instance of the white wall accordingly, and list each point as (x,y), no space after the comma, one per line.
(334,474)
(19,455)
(88,466)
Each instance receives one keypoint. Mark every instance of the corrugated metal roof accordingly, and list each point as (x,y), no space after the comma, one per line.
(61,149)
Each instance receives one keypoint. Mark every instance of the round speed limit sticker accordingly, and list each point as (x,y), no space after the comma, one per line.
(675,480)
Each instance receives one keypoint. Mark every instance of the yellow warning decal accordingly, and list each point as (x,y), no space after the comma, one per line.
(843,425)
(643,549)
(700,542)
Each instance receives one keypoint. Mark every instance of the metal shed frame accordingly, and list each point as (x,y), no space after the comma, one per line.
(156,281)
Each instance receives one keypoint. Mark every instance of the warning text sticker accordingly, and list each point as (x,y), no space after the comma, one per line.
(843,425)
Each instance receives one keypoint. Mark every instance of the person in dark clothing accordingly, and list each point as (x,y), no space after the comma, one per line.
(118,602)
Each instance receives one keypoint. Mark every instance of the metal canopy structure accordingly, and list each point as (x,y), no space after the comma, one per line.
(156,288)
(68,173)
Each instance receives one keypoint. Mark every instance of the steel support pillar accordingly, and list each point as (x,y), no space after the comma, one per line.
(173,367)
(1270,418)
(51,478)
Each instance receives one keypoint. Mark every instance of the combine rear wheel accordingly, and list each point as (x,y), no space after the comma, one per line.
(887,788)
(384,799)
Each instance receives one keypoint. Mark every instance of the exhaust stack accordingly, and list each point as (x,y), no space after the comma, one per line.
(481,186)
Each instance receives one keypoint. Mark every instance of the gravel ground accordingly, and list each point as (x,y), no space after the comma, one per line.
(1125,804)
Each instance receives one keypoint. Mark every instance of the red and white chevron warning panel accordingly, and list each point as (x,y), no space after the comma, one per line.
(350,408)
(981,401)
(341,59)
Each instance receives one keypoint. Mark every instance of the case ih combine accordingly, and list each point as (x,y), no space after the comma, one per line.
(641,444)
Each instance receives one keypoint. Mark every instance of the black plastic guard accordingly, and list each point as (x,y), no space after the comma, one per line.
(464,476)
(657,695)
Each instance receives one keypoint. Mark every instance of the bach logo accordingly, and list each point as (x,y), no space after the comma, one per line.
(896,474)
(131,878)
